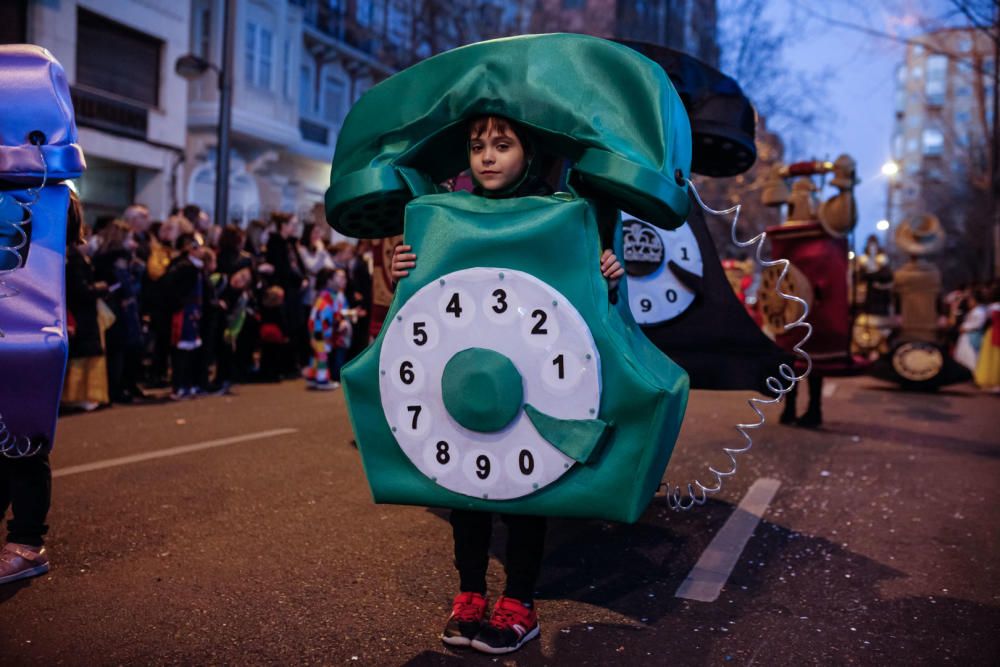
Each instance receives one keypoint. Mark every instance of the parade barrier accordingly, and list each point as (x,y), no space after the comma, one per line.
(38,150)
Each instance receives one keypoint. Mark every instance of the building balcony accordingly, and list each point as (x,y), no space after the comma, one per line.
(104,111)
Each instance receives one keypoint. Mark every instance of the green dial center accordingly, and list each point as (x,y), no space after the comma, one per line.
(481,389)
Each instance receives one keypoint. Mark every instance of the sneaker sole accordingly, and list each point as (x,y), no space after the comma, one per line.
(456,641)
(25,574)
(486,648)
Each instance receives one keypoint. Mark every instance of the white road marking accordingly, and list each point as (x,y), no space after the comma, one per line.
(829,389)
(710,573)
(173,451)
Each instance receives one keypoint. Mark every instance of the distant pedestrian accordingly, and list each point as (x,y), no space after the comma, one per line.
(329,330)
(184,291)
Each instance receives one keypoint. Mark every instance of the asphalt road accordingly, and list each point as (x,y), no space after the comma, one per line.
(880,546)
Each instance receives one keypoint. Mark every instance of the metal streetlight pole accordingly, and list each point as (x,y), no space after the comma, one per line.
(995,146)
(225,115)
(191,67)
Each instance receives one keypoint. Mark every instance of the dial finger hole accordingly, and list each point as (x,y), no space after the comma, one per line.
(456,309)
(422,333)
(563,371)
(525,466)
(441,457)
(408,375)
(501,303)
(413,420)
(481,468)
(540,324)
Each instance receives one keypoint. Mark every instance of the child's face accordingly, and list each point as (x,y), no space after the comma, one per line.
(496,158)
(339,281)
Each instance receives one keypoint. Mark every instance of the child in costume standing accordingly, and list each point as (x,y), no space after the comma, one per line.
(500,158)
(329,330)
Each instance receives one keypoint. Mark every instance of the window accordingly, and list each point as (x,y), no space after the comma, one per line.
(933,141)
(574,4)
(934,90)
(965,44)
(962,117)
(934,85)
(912,145)
(258,56)
(918,49)
(900,100)
(99,63)
(398,24)
(901,74)
(916,72)
(264,60)
(897,146)
(912,168)
(364,12)
(305,91)
(914,121)
(286,70)
(963,91)
(334,99)
(250,56)
(203,33)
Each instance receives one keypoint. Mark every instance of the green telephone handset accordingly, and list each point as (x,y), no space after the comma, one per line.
(504,379)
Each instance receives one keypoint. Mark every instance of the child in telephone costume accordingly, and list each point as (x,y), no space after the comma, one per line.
(510,376)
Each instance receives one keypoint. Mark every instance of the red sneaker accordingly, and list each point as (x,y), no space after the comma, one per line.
(19,561)
(511,626)
(467,613)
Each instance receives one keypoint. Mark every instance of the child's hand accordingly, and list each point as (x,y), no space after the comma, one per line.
(402,259)
(611,269)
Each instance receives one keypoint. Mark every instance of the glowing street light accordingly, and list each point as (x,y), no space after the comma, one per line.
(890,169)
(882,225)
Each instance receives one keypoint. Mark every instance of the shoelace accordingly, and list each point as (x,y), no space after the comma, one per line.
(467,611)
(504,618)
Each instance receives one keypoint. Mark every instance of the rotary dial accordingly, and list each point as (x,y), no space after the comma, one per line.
(664,270)
(480,373)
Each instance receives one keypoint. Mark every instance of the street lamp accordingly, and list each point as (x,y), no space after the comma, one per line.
(890,169)
(190,67)
(882,225)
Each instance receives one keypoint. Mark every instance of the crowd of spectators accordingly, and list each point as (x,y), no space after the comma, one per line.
(195,307)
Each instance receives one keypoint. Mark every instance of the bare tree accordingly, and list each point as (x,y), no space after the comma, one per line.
(793,101)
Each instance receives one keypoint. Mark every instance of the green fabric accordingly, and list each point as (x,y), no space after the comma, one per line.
(644,394)
(611,111)
(481,389)
(579,439)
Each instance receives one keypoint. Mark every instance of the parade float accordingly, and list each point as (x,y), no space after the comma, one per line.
(679,291)
(814,238)
(38,153)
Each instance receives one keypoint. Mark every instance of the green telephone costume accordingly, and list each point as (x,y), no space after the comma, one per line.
(504,378)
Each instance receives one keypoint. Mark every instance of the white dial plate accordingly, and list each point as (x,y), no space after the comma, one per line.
(658,296)
(527,321)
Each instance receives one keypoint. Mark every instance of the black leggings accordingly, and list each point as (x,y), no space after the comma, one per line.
(26,488)
(815,395)
(523,561)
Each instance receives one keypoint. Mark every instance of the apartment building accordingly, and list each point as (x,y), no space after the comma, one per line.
(685,25)
(941,139)
(130,107)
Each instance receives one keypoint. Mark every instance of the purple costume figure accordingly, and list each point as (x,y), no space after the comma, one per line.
(38,151)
